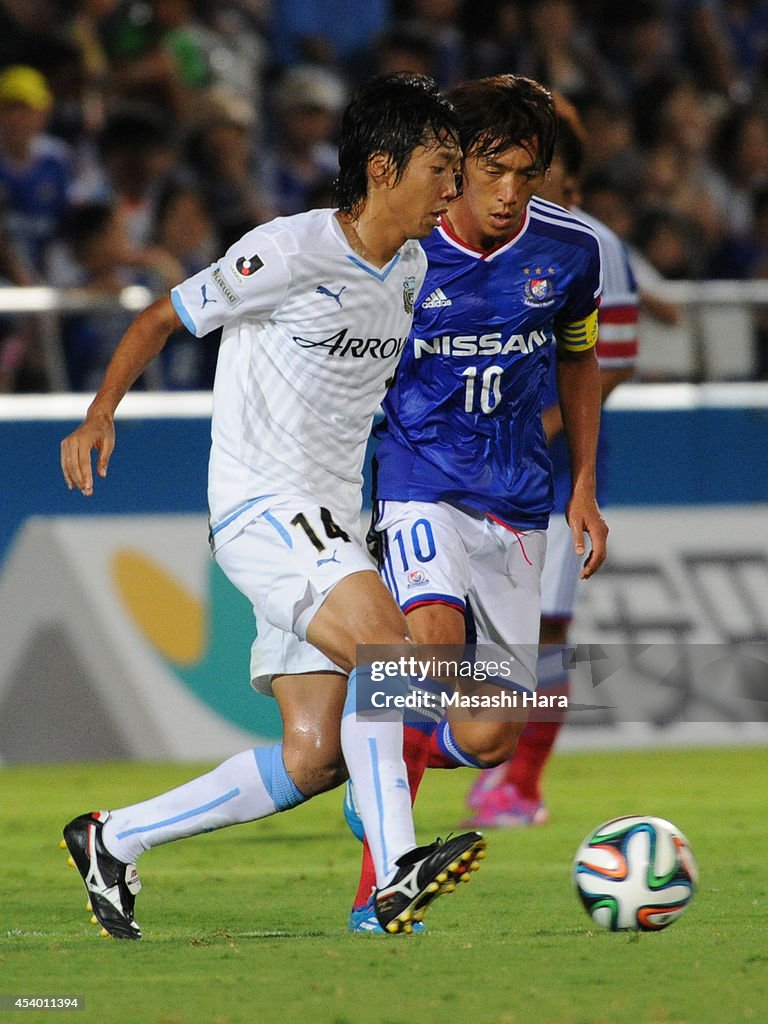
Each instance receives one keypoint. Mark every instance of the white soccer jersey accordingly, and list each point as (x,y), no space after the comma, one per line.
(617,341)
(617,345)
(311,336)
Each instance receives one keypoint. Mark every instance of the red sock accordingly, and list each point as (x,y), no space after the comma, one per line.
(415,749)
(525,768)
(367,878)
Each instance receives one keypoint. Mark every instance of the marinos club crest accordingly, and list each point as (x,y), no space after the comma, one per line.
(539,289)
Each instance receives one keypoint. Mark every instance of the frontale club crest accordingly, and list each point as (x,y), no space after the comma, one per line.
(409,293)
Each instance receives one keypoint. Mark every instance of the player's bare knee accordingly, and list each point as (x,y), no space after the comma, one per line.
(493,755)
(319,778)
(314,770)
(312,753)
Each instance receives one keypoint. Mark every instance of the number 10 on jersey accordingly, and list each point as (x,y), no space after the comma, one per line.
(489,388)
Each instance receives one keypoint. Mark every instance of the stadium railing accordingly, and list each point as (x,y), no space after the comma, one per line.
(715,340)
(48,306)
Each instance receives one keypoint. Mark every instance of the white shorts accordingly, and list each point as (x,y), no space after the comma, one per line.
(286,560)
(435,554)
(561,571)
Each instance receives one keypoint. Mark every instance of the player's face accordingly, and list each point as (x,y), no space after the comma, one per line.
(420,198)
(497,190)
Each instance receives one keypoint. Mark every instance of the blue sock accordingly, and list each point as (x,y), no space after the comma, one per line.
(276,779)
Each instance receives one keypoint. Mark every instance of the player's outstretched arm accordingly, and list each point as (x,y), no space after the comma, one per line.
(140,344)
(578,382)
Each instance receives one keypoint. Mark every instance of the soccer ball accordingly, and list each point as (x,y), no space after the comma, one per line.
(635,874)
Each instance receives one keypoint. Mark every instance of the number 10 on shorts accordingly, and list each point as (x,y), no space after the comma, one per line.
(422,543)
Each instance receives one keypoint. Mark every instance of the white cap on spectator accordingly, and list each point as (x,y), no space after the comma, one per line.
(221,102)
(310,86)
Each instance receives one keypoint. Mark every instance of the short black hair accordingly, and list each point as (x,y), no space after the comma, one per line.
(391,114)
(502,111)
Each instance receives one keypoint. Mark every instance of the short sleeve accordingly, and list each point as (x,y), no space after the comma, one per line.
(251,279)
(576,322)
(617,343)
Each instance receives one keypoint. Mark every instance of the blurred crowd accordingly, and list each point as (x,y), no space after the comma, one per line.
(139,138)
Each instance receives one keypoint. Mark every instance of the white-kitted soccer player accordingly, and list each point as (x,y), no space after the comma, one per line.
(315,311)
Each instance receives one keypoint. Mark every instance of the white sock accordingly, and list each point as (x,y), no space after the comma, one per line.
(373,750)
(250,785)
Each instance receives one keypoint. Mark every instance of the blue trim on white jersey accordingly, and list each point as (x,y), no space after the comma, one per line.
(181,309)
(380,275)
(238,512)
(280,528)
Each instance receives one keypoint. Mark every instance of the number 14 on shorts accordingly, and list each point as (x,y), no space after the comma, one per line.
(330,529)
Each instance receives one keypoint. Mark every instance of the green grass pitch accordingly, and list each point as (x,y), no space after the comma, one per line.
(248,924)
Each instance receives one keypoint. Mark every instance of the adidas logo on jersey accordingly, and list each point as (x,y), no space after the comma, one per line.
(437,300)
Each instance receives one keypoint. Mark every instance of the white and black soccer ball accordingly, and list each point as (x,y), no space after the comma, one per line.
(635,874)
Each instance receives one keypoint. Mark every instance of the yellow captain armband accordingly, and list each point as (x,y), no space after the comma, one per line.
(580,335)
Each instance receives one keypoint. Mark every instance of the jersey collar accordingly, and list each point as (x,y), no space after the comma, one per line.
(447,232)
(380,273)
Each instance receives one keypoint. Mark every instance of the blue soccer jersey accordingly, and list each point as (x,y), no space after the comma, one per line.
(36,197)
(463,418)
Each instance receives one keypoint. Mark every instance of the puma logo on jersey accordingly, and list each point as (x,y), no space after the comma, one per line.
(322,290)
(325,561)
(204,294)
(437,300)
(479,345)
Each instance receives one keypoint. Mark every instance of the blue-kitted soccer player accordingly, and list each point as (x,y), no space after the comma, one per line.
(463,483)
(511,796)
